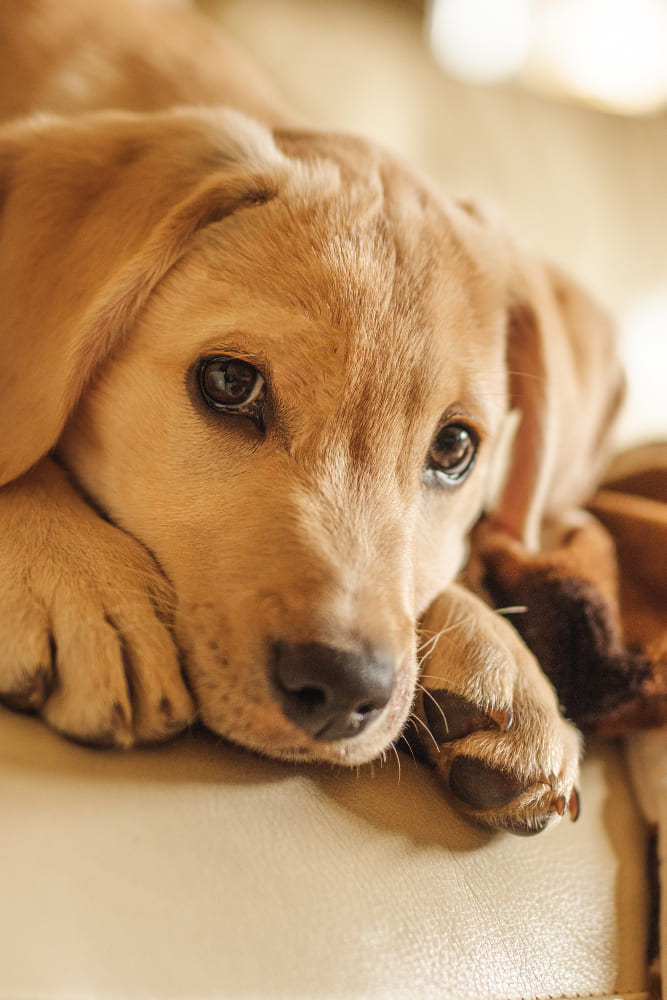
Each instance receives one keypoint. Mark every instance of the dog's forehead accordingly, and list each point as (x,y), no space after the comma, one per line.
(372,257)
(359,291)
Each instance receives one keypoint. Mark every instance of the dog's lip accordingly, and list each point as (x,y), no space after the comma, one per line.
(273,736)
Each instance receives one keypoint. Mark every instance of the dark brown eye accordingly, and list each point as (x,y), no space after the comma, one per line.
(232,385)
(453,452)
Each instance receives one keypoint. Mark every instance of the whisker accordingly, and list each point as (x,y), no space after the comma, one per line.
(437,705)
(446,628)
(426,648)
(398,760)
(416,718)
(530,375)
(406,743)
(431,677)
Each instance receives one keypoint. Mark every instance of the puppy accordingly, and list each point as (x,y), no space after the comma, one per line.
(252,381)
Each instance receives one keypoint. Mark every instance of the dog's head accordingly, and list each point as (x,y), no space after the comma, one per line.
(282,362)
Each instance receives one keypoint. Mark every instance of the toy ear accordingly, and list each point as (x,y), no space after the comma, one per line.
(566,383)
(94,212)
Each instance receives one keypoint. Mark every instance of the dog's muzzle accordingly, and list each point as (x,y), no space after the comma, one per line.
(332,694)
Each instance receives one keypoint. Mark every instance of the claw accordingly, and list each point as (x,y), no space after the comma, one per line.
(166,708)
(502,717)
(574,805)
(559,805)
(549,781)
(121,726)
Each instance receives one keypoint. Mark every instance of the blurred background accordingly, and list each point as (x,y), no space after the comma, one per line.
(554,109)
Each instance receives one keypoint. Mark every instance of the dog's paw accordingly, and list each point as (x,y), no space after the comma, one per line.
(487,719)
(83,642)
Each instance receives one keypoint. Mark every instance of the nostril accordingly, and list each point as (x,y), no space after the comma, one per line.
(310,697)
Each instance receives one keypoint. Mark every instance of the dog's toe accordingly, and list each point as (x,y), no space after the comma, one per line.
(26,662)
(450,716)
(91,701)
(31,691)
(162,704)
(119,680)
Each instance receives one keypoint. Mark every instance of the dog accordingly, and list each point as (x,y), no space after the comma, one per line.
(254,380)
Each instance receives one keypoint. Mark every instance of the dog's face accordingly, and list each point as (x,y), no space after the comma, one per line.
(281,363)
(298,428)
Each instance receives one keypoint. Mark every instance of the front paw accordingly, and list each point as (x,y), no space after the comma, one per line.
(83,637)
(487,719)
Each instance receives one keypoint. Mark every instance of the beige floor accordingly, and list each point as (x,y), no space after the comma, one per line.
(590,189)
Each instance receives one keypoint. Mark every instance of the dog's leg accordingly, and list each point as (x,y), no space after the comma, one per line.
(487,719)
(84,639)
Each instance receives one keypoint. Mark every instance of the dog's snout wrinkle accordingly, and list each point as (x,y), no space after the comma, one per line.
(331,693)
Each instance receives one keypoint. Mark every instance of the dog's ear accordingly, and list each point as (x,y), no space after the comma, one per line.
(564,381)
(93,213)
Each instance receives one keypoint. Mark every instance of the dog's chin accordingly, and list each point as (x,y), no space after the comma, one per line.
(345,753)
(281,740)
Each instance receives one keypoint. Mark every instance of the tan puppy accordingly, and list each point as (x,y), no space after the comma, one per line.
(252,378)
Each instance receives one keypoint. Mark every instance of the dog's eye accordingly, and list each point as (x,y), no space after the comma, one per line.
(232,385)
(453,451)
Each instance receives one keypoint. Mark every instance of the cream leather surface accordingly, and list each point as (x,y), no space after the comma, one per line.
(199,871)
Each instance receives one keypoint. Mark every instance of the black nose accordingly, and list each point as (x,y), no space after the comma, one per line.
(331,693)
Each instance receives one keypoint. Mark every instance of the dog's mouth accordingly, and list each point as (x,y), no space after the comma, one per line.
(328,730)
(311,701)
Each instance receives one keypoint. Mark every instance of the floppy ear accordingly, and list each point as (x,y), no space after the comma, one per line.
(94,212)
(537,549)
(565,381)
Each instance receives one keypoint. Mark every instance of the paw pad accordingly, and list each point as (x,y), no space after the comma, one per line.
(480,786)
